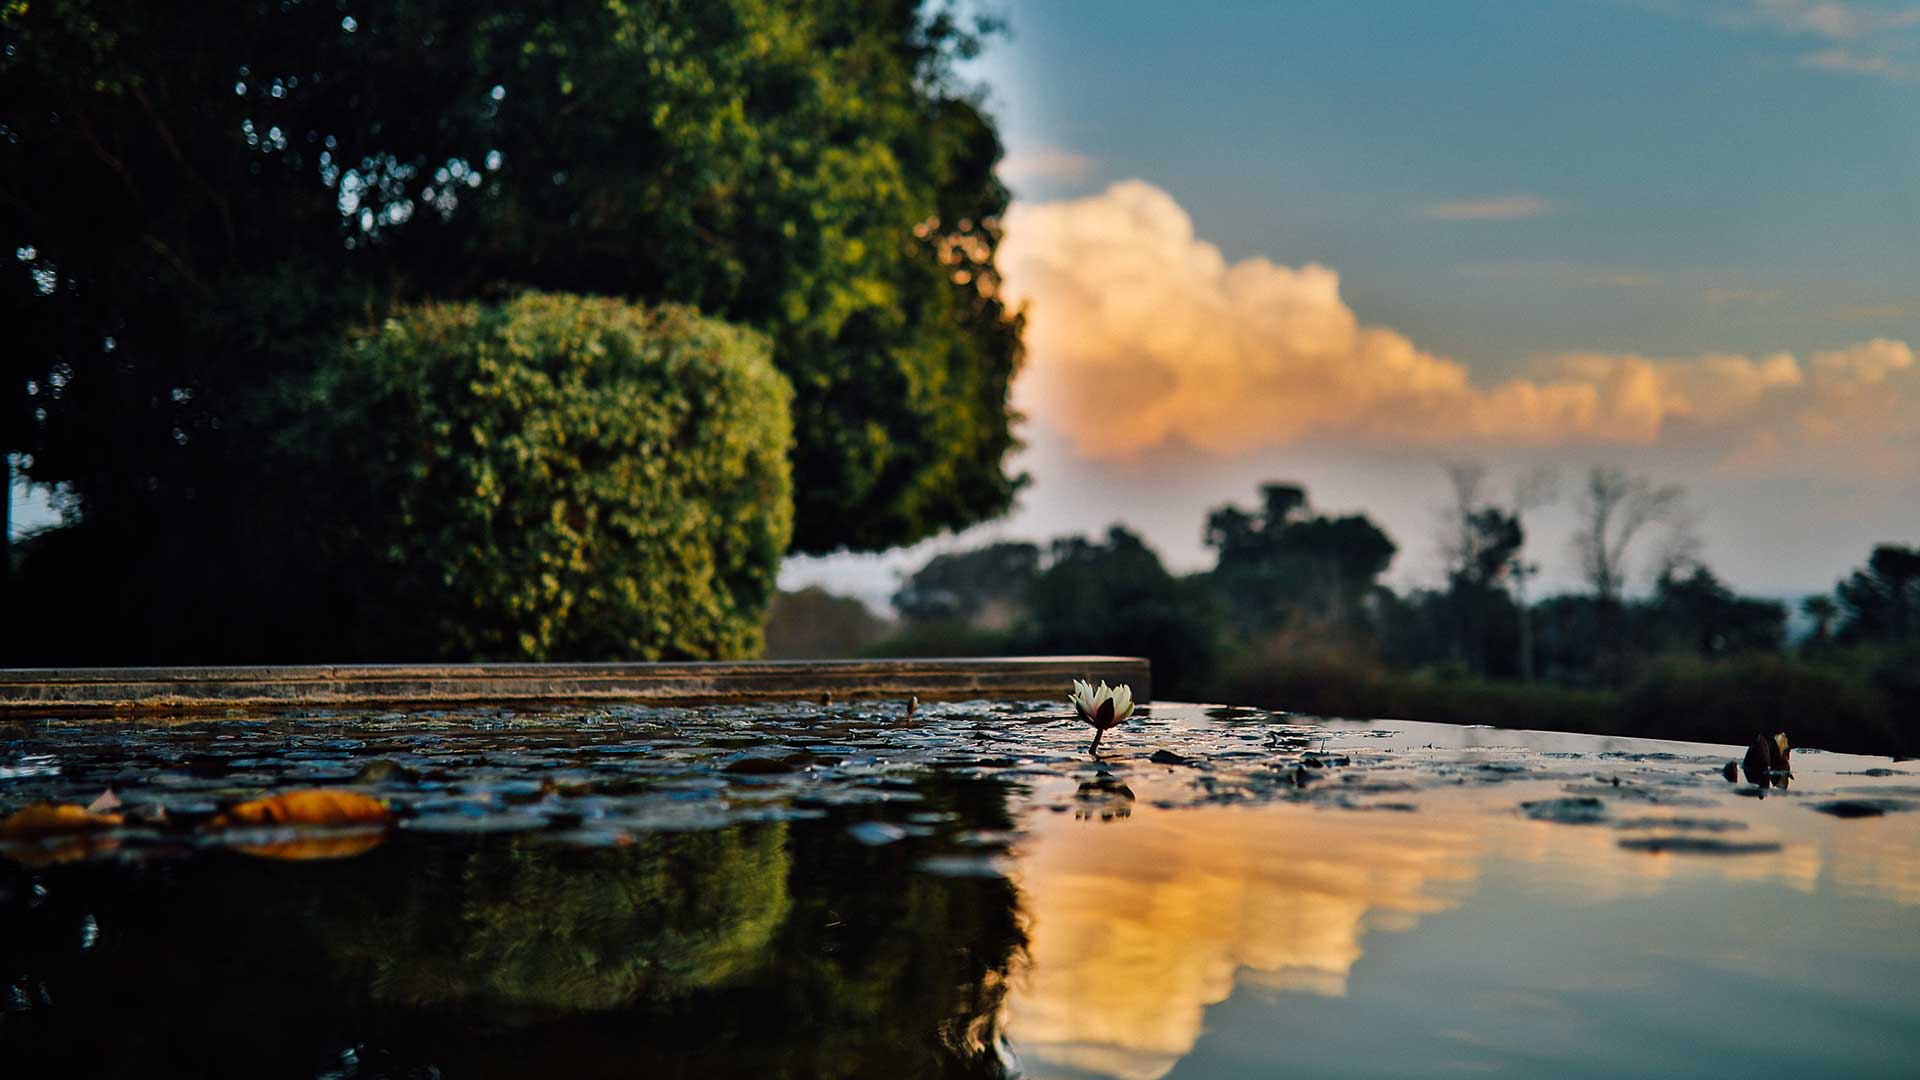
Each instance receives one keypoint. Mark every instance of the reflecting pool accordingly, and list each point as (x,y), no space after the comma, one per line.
(850,891)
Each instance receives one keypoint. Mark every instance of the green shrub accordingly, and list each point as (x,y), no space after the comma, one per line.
(558,477)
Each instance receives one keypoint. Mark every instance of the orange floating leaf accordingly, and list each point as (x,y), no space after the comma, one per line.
(339,845)
(42,819)
(318,806)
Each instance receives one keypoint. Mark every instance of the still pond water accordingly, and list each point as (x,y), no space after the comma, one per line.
(798,891)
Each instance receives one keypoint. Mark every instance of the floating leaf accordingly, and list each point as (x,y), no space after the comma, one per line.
(332,845)
(317,806)
(42,819)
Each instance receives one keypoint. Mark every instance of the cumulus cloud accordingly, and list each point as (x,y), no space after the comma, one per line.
(1140,334)
(1498,208)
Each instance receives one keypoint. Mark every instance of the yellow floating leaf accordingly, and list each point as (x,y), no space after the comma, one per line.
(43,818)
(318,806)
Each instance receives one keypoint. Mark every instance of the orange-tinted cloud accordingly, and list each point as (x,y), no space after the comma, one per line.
(1839,20)
(1141,333)
(1137,929)
(1497,208)
(1044,163)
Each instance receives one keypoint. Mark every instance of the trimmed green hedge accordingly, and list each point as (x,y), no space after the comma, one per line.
(558,477)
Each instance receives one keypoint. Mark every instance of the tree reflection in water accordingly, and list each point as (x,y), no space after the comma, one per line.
(765,949)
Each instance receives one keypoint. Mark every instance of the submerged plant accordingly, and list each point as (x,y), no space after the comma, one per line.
(1103,708)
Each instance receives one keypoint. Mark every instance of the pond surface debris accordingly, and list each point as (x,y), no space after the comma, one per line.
(918,888)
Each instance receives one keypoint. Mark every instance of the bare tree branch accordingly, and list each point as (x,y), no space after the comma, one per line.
(1614,509)
(1456,521)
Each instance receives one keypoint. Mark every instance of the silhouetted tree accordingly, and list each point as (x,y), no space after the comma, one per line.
(1882,600)
(985,586)
(1823,611)
(1697,613)
(1615,508)
(1281,565)
(1480,543)
(1535,488)
(1116,597)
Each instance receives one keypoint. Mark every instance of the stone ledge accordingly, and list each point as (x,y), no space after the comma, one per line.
(25,692)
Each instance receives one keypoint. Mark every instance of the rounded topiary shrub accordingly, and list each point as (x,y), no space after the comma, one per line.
(557,477)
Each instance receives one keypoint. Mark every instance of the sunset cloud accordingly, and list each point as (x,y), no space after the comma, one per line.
(1141,334)
(1044,163)
(1498,208)
(1855,62)
(1837,20)
(1875,40)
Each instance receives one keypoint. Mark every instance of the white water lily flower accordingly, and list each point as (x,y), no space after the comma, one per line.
(1103,707)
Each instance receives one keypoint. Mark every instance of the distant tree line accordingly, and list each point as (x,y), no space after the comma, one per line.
(1293,615)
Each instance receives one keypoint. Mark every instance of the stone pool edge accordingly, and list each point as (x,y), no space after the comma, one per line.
(47,691)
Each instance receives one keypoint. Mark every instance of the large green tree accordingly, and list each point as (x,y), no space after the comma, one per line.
(197,198)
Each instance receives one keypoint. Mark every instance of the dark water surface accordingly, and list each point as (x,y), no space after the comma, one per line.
(795,891)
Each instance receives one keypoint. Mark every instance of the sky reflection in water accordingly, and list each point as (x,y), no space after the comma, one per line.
(738,891)
(1465,937)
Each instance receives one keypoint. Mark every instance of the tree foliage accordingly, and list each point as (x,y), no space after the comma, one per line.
(1696,613)
(812,623)
(1283,564)
(976,586)
(1882,600)
(1115,596)
(1616,508)
(1691,659)
(198,198)
(556,477)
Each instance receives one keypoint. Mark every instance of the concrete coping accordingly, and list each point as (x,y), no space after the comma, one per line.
(27,692)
